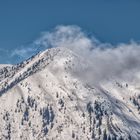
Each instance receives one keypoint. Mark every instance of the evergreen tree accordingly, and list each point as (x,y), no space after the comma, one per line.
(105,135)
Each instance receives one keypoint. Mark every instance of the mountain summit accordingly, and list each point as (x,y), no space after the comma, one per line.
(45,98)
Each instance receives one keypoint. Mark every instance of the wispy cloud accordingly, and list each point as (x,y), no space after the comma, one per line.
(104,60)
(23,52)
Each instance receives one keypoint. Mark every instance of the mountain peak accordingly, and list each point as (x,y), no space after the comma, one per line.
(43,98)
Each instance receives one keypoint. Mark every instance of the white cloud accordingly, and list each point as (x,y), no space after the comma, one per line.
(105,60)
(22,52)
(66,36)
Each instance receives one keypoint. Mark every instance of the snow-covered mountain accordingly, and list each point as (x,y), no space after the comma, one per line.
(43,99)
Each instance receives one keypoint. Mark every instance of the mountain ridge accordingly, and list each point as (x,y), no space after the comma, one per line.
(42,98)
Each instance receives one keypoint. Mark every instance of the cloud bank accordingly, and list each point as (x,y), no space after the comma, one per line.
(104,60)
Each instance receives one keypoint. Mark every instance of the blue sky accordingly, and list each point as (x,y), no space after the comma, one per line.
(21,22)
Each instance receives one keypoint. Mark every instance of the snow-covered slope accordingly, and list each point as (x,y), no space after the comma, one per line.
(4,65)
(43,99)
